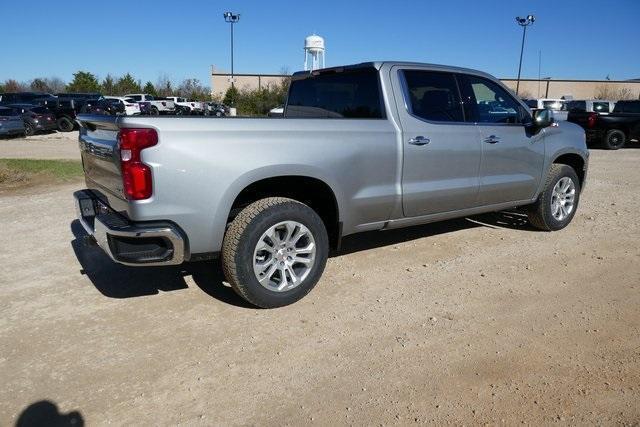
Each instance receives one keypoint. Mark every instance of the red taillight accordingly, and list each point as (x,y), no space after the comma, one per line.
(136,176)
(591,120)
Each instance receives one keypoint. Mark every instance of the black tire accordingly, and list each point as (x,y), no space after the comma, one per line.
(64,124)
(540,213)
(154,111)
(28,129)
(218,114)
(243,235)
(614,139)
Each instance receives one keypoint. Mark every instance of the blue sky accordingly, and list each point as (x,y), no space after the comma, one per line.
(580,39)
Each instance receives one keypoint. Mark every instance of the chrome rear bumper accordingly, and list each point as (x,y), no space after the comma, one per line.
(129,243)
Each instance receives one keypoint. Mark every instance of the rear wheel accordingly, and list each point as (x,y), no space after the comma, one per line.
(275,251)
(64,124)
(614,139)
(557,204)
(154,110)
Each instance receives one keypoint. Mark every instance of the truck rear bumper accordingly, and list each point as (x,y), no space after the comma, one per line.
(129,243)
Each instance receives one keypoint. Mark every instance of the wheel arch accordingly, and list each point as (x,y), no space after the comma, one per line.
(575,161)
(309,188)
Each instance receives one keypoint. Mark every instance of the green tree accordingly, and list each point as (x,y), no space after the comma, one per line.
(83,81)
(231,96)
(39,85)
(258,102)
(108,85)
(150,89)
(127,84)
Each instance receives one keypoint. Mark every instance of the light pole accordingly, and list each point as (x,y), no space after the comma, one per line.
(231,18)
(524,23)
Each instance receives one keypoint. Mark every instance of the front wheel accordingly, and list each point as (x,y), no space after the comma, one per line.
(155,111)
(557,204)
(275,251)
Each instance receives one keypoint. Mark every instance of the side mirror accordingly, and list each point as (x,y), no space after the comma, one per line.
(543,118)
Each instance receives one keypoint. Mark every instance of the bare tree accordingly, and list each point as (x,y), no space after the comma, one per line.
(613,92)
(163,86)
(525,94)
(12,86)
(55,84)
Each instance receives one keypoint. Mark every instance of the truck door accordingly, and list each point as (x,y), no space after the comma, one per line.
(512,156)
(441,153)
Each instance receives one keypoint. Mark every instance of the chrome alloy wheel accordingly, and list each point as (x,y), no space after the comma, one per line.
(563,198)
(284,256)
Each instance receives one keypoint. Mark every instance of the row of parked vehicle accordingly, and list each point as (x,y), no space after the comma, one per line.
(31,112)
(607,123)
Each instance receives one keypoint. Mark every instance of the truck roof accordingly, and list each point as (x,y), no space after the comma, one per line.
(378,65)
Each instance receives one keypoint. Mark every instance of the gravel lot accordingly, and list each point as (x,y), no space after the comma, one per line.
(479,320)
(56,145)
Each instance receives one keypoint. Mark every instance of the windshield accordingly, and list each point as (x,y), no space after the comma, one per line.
(554,105)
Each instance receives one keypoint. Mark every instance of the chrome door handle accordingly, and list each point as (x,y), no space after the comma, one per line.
(492,139)
(419,140)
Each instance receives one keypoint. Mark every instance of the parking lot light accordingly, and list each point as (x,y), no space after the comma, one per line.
(524,23)
(231,18)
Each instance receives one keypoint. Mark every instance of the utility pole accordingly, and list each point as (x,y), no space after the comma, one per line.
(539,70)
(524,23)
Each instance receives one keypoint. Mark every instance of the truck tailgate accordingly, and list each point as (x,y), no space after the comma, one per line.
(100,154)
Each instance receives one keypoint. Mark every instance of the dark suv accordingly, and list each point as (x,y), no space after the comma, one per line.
(35,118)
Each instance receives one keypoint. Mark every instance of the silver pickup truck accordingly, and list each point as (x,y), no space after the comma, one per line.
(373,146)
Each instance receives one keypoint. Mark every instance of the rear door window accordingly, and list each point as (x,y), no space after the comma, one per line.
(628,107)
(5,112)
(433,96)
(350,94)
(577,106)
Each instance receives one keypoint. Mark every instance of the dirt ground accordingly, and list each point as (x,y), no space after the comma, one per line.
(479,320)
(55,145)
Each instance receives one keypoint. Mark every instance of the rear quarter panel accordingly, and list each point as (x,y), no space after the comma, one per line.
(201,164)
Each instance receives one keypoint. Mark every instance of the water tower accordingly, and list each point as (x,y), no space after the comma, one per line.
(313,47)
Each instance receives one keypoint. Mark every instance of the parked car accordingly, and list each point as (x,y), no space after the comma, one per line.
(158,105)
(194,107)
(130,106)
(79,95)
(65,110)
(34,98)
(558,106)
(276,112)
(35,118)
(373,146)
(107,106)
(181,110)
(613,130)
(216,109)
(600,106)
(11,122)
